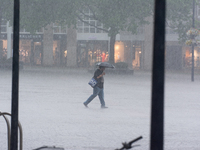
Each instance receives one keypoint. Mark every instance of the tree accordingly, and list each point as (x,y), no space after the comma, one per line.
(179,17)
(115,15)
(4,10)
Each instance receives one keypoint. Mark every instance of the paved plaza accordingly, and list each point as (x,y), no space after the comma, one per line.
(51,110)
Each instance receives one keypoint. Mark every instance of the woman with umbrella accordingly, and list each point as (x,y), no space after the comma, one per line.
(98,88)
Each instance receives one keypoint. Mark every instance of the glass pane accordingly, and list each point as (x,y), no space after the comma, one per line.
(99,31)
(92,23)
(99,23)
(91,16)
(92,30)
(86,24)
(86,17)
(86,30)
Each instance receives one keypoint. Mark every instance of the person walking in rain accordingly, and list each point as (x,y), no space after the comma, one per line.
(98,89)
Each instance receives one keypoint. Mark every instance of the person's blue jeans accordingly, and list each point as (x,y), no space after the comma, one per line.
(96,91)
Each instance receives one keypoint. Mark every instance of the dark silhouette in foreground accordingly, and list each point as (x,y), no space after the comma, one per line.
(129,144)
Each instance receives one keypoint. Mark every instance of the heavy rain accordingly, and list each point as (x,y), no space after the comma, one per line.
(63,44)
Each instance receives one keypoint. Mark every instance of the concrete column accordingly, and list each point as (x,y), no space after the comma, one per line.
(71,47)
(48,46)
(9,41)
(148,45)
(1,50)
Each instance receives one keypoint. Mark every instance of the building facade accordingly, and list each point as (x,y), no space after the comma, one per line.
(83,47)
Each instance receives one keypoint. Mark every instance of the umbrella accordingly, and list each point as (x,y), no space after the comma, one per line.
(105,64)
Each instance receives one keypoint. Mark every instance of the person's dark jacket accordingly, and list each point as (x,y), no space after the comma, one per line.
(100,81)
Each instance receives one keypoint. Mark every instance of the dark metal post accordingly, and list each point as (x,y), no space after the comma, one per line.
(157,106)
(192,77)
(15,78)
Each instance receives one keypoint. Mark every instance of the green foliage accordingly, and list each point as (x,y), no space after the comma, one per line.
(117,15)
(179,17)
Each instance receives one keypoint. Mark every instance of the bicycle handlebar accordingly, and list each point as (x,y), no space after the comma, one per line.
(129,144)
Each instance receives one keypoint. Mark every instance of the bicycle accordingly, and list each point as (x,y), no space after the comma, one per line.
(129,144)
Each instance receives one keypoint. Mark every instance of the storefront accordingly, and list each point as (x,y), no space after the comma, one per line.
(31,49)
(3,44)
(129,52)
(60,49)
(187,57)
(173,57)
(90,52)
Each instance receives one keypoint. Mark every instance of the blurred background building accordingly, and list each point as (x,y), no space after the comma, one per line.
(49,46)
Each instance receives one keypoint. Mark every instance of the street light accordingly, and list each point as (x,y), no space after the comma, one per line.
(192,33)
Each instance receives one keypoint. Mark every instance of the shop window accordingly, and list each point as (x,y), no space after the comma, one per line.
(25,51)
(119,52)
(90,52)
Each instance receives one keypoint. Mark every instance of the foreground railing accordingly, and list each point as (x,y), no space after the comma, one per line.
(9,130)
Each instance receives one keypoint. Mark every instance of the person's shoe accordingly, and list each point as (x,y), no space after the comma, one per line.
(85,105)
(104,107)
